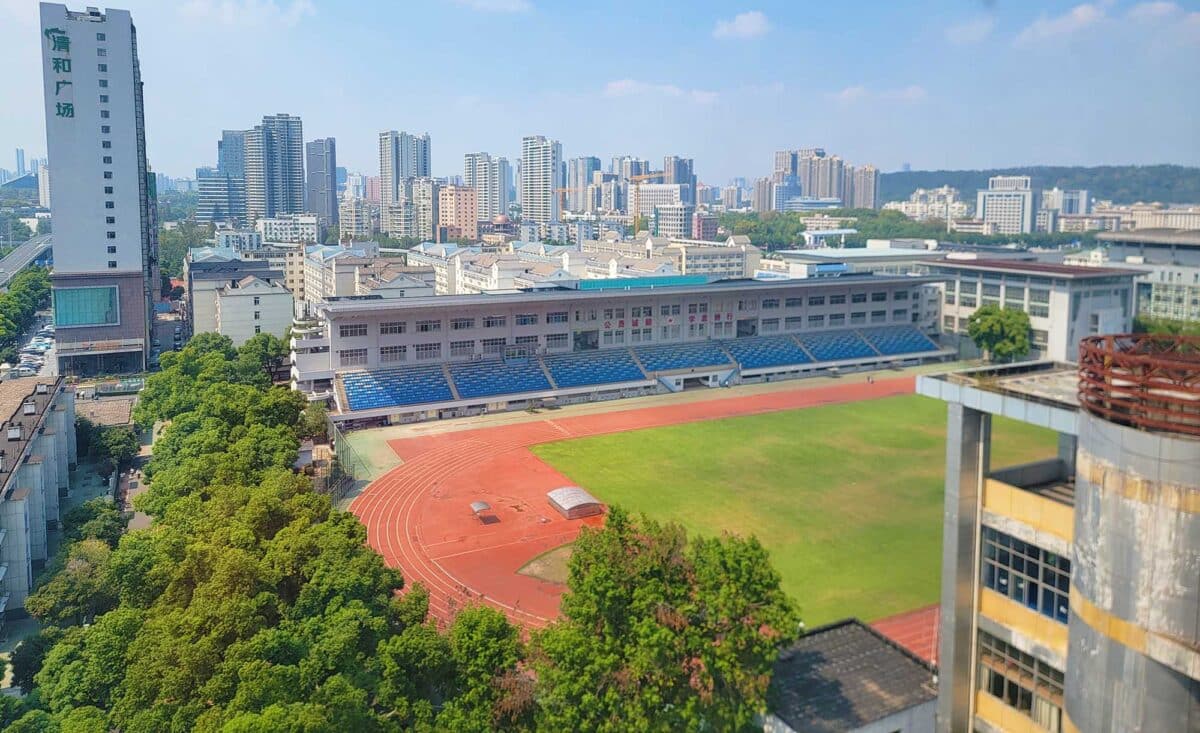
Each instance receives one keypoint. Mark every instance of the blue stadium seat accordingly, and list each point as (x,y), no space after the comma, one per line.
(498,377)
(836,345)
(394,387)
(681,356)
(898,340)
(766,351)
(584,368)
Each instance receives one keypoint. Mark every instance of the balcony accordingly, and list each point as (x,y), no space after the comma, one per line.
(1040,496)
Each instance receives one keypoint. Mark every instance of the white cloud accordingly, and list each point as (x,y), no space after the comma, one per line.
(1154,10)
(1073,21)
(496,6)
(633,87)
(248,13)
(750,24)
(858,93)
(1168,20)
(971,31)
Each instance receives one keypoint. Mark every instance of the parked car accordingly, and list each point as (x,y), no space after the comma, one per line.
(22,371)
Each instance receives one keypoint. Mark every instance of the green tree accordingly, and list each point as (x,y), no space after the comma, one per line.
(1002,334)
(11,708)
(314,422)
(1166,326)
(29,654)
(78,592)
(119,445)
(34,721)
(659,633)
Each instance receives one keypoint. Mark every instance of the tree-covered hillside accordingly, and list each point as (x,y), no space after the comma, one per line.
(1123,184)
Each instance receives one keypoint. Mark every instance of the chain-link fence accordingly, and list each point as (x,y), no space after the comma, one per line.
(345,468)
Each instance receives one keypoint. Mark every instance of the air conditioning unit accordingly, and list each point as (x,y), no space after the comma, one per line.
(29,408)
(14,432)
(42,389)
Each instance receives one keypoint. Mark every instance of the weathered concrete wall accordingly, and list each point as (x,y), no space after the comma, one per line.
(1134,630)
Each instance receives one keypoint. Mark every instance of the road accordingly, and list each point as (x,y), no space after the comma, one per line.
(20,257)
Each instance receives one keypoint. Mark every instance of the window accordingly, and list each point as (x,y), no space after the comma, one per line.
(557,317)
(1039,311)
(103,99)
(991,291)
(638,335)
(669,310)
(793,302)
(878,316)
(104,83)
(948,324)
(110,220)
(427,352)
(258,329)
(92,306)
(837,319)
(461,324)
(110,235)
(462,348)
(258,315)
(858,297)
(107,160)
(1021,681)
(950,298)
(112,249)
(698,308)
(791,323)
(350,330)
(900,314)
(106,143)
(108,174)
(878,297)
(105,129)
(816,300)
(390,354)
(967,301)
(494,346)
(857,319)
(100,36)
(494,321)
(526,341)
(352,357)
(257,300)
(770,303)
(770,325)
(816,321)
(109,205)
(112,264)
(102,68)
(697,330)
(393,327)
(1040,338)
(526,319)
(556,340)
(108,190)
(900,295)
(747,305)
(837,300)
(102,52)
(1036,578)
(429,326)
(104,114)
(1039,296)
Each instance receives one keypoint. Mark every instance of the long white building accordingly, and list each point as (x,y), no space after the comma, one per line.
(102,194)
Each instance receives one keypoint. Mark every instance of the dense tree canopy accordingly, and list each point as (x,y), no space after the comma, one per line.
(174,243)
(1002,334)
(252,604)
(28,292)
(1166,326)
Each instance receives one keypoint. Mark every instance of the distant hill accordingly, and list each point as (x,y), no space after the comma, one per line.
(1123,184)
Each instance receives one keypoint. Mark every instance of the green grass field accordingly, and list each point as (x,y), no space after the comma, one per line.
(847,498)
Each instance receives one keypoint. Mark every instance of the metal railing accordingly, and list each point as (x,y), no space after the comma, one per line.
(1142,380)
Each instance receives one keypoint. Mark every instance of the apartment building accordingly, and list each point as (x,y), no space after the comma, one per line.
(1168,261)
(250,306)
(458,208)
(295,228)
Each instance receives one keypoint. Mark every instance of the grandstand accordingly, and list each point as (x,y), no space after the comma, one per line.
(465,355)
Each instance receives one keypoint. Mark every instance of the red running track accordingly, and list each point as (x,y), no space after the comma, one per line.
(418,517)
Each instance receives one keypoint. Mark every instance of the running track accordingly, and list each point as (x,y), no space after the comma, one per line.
(418,517)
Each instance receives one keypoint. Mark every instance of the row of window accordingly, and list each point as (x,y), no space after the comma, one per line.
(1036,578)
(1021,681)
(350,330)
(431,351)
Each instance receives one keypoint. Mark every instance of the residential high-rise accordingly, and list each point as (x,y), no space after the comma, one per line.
(788,163)
(275,167)
(102,193)
(21,161)
(672,220)
(862,184)
(401,156)
(763,196)
(458,216)
(356,219)
(540,158)
(231,153)
(491,178)
(424,198)
(221,198)
(731,198)
(43,174)
(1007,204)
(579,177)
(321,163)
(681,171)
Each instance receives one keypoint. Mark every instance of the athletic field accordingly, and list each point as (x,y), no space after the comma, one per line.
(847,498)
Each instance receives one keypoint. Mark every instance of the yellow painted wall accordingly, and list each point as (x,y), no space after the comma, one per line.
(1045,515)
(1010,614)
(1002,716)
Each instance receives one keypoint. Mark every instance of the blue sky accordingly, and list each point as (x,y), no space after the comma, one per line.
(948,84)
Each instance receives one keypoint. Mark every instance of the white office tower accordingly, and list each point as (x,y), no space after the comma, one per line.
(275,167)
(491,178)
(102,193)
(540,161)
(1007,204)
(401,156)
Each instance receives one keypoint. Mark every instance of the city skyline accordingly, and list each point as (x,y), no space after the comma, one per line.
(726,97)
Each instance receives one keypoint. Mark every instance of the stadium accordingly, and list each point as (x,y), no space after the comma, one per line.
(422,358)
